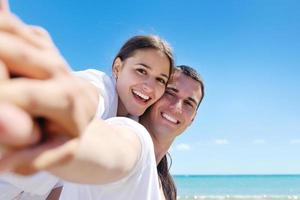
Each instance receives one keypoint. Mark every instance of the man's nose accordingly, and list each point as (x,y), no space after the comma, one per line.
(176,106)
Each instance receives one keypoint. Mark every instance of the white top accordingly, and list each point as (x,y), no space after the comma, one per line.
(38,186)
(108,97)
(141,184)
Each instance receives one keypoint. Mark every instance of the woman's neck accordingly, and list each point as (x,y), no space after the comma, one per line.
(121,111)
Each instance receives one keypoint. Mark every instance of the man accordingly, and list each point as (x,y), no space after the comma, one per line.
(176,110)
(170,116)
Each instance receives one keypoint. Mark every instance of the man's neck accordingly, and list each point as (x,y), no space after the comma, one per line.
(160,149)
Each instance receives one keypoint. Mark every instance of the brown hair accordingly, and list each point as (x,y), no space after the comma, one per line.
(192,73)
(146,42)
(167,182)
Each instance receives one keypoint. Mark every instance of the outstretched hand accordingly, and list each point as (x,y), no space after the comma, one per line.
(43,86)
(56,94)
(17,128)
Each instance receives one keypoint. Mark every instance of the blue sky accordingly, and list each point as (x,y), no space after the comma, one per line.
(249,122)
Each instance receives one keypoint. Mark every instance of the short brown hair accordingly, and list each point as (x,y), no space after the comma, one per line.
(192,73)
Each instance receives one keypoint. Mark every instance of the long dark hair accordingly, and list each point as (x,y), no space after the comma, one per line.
(167,181)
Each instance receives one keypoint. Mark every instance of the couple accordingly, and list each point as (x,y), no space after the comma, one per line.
(100,156)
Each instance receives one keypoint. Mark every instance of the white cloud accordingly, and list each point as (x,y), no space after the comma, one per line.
(259,141)
(221,141)
(183,147)
(295,141)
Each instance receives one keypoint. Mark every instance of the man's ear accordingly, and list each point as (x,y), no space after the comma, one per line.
(117,67)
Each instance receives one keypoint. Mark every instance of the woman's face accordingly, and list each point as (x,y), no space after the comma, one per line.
(141,80)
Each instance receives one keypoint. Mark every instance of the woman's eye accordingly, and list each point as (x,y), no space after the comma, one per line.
(141,71)
(162,81)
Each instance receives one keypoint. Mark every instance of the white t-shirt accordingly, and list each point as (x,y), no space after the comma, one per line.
(38,186)
(141,183)
(108,97)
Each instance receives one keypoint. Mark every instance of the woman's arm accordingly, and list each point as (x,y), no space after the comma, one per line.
(104,153)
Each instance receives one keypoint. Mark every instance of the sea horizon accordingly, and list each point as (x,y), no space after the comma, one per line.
(238,186)
(241,174)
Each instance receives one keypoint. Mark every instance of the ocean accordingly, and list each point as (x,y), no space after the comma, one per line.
(246,187)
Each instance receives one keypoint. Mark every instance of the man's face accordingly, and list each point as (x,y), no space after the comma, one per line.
(175,111)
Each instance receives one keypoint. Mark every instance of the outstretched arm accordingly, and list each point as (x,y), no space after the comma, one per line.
(105,152)
(96,151)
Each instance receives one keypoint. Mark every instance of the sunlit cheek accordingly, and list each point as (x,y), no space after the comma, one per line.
(188,111)
(168,100)
(133,74)
(137,76)
(160,92)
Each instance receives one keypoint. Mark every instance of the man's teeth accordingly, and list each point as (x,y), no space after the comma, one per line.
(145,97)
(169,118)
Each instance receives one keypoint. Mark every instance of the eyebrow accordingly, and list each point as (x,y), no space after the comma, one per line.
(189,98)
(148,67)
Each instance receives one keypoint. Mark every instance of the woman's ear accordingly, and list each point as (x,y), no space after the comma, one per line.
(117,67)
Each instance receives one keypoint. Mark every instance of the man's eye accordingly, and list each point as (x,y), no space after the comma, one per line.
(189,104)
(169,93)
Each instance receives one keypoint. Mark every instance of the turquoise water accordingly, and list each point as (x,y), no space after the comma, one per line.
(238,187)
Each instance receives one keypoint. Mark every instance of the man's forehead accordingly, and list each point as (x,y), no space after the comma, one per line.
(179,79)
(185,84)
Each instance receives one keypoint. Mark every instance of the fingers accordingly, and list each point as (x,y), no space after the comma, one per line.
(48,99)
(24,60)
(28,50)
(20,58)
(40,32)
(4,6)
(52,154)
(16,127)
(69,102)
(34,96)
(3,71)
(62,152)
(31,34)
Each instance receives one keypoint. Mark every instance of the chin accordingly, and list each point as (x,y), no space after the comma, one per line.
(164,129)
(137,113)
